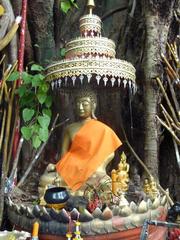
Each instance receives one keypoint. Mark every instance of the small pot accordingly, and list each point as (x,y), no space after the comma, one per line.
(56,195)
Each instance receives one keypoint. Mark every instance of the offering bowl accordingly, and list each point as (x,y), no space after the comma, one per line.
(56,196)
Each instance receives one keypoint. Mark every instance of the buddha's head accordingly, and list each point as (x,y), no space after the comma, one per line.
(86,102)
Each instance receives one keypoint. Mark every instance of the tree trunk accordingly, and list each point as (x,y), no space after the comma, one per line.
(41,27)
(157,22)
(67,26)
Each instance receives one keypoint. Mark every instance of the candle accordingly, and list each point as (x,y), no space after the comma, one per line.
(69,235)
(35,229)
(77,223)
(114,181)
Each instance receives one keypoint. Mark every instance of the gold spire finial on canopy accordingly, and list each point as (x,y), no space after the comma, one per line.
(90,59)
(90,5)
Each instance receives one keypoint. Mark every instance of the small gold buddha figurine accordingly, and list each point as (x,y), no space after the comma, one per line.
(123,165)
(150,187)
(120,177)
(153,188)
(146,186)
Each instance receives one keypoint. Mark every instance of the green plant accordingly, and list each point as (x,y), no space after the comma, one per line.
(62,52)
(66,5)
(35,104)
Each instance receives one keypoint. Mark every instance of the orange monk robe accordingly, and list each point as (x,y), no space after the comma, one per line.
(92,144)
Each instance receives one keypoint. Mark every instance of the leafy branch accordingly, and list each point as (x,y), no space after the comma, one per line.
(66,5)
(35,103)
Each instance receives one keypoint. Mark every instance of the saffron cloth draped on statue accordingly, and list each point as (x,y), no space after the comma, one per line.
(92,144)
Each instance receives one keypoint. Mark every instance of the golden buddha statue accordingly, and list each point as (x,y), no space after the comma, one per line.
(123,165)
(153,188)
(150,187)
(120,177)
(146,186)
(88,146)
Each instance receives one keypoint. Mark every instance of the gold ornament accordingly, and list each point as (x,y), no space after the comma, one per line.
(90,59)
(150,187)
(120,177)
(90,5)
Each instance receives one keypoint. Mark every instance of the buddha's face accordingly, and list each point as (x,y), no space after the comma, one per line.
(84,107)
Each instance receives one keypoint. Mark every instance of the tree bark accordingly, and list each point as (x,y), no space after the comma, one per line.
(157,28)
(42,29)
(67,25)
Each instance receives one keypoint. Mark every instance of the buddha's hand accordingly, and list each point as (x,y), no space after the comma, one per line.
(57,180)
(51,167)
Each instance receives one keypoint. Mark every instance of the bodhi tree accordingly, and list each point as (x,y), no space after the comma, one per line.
(141,30)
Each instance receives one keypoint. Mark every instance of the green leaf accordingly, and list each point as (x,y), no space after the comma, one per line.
(26,132)
(48,101)
(47,111)
(22,90)
(27,78)
(73,3)
(44,120)
(36,141)
(35,128)
(37,80)
(43,134)
(14,76)
(62,52)
(44,87)
(65,6)
(36,67)
(28,114)
(41,97)
(27,100)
